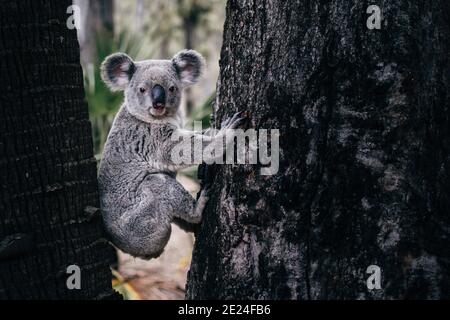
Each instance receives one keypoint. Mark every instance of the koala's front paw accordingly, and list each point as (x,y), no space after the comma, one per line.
(238,120)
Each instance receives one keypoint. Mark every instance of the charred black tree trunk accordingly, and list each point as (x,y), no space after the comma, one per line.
(364,179)
(49,217)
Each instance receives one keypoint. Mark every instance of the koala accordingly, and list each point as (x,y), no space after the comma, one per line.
(139,194)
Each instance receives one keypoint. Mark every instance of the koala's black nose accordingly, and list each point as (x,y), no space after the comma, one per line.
(158,96)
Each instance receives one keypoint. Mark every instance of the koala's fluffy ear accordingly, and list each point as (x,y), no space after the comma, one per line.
(189,65)
(117,70)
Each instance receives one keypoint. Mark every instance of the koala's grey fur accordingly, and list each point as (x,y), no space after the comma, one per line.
(139,194)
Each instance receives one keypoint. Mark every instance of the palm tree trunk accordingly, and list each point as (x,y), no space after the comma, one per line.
(364,178)
(49,216)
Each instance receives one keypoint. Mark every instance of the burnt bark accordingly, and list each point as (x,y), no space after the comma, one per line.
(49,216)
(364,119)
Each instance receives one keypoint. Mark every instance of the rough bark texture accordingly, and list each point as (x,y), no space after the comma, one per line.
(48,187)
(364,167)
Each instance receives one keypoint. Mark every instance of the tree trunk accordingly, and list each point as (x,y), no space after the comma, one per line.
(49,216)
(364,179)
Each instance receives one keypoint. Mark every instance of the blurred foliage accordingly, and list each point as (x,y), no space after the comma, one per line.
(193,9)
(165,23)
(202,113)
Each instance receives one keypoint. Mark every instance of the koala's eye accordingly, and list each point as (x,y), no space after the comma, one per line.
(172,89)
(142,89)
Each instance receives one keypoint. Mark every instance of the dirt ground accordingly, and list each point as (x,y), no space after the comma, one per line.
(163,278)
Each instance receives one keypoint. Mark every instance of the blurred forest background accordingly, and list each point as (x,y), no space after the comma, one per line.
(150,29)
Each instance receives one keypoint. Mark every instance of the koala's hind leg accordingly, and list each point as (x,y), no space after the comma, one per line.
(171,201)
(143,231)
(186,208)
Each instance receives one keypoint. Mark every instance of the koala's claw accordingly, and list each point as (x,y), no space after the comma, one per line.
(235,120)
(225,123)
(238,119)
(229,120)
(206,193)
(236,116)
